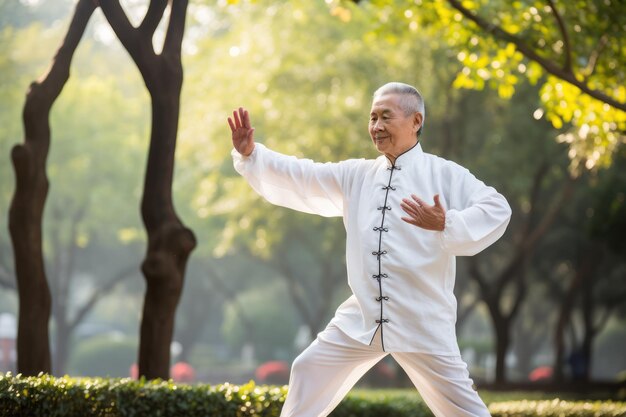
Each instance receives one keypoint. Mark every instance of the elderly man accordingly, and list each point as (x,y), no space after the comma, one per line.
(400,255)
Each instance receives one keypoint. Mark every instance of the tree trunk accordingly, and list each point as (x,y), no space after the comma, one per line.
(169,242)
(501,333)
(26,211)
(564,318)
(582,284)
(588,332)
(594,256)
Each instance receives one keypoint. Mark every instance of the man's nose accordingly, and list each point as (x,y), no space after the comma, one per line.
(378,125)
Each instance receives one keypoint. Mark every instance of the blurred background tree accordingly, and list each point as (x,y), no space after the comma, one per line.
(572,49)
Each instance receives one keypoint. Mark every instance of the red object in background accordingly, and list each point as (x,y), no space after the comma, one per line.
(541,373)
(182,372)
(179,372)
(133,372)
(273,372)
(384,371)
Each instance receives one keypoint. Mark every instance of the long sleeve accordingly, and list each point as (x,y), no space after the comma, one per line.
(299,184)
(477,218)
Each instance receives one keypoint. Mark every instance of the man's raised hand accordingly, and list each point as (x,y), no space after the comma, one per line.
(242,132)
(423,215)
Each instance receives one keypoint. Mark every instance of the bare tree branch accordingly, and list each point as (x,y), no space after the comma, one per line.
(595,55)
(175,28)
(531,238)
(153,17)
(122,27)
(100,293)
(603,320)
(550,66)
(566,43)
(520,295)
(231,295)
(535,192)
(567,190)
(296,292)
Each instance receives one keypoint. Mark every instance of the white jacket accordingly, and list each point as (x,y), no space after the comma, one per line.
(402,277)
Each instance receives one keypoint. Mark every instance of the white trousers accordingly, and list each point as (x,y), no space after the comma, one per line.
(325,371)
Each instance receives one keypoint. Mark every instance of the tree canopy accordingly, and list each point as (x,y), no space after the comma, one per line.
(573,49)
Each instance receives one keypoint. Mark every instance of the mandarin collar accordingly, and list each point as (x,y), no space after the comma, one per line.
(410,155)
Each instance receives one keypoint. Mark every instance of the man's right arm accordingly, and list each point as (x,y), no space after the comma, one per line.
(299,184)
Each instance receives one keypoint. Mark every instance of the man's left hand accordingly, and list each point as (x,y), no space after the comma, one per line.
(424,215)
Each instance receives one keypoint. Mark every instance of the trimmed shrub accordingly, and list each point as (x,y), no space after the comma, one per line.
(47,396)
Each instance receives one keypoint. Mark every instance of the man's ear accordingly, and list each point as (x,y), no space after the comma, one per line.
(418,120)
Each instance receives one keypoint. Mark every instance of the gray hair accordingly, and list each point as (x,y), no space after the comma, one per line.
(411,100)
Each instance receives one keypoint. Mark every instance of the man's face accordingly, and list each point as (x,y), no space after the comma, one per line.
(390,129)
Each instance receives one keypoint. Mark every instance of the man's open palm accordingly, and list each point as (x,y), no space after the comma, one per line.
(242,132)
(424,215)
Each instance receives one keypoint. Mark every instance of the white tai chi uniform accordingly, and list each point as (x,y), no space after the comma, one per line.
(401,276)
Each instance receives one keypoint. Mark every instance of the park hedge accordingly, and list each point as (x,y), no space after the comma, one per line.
(47,396)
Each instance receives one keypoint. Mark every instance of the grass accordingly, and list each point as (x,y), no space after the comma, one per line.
(488,396)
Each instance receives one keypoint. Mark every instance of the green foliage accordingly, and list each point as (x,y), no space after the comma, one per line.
(73,397)
(520,40)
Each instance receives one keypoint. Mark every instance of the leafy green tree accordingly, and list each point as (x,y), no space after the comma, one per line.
(592,291)
(537,191)
(573,49)
(594,106)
